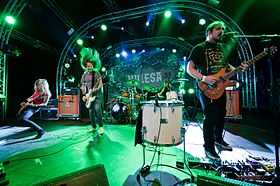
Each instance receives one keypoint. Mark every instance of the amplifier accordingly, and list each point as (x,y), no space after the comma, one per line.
(69,91)
(48,113)
(68,106)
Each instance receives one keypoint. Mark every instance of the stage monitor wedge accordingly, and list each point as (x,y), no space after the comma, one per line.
(91,176)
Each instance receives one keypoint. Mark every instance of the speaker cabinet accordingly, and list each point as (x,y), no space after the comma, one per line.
(68,106)
(233,104)
(91,176)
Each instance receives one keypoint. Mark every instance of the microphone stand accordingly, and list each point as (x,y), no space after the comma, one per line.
(257,36)
(273,107)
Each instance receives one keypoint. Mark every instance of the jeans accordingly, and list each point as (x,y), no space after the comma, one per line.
(95,113)
(25,119)
(213,124)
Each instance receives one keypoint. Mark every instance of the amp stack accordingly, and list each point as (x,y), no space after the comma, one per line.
(68,103)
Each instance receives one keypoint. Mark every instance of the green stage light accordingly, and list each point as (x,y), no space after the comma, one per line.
(103,69)
(167,14)
(191,91)
(118,55)
(103,27)
(202,21)
(80,42)
(10,20)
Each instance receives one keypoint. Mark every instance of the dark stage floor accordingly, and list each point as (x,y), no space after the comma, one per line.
(67,148)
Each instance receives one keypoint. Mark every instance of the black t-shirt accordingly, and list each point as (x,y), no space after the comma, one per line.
(209,57)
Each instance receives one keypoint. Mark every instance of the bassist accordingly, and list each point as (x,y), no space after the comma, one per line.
(91,82)
(205,60)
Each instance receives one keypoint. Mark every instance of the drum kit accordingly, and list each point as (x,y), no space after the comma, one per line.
(124,108)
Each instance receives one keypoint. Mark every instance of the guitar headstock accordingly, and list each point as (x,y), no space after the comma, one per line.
(272,50)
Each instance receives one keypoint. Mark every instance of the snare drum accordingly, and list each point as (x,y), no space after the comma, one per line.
(162,125)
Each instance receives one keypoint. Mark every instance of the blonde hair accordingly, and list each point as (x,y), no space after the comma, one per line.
(92,56)
(45,86)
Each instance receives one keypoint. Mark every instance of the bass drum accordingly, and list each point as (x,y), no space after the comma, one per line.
(120,112)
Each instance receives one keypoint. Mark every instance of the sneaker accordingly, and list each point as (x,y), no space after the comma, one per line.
(212,155)
(101,130)
(223,146)
(92,130)
(40,134)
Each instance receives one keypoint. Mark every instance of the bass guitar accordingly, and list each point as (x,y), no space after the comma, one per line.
(216,90)
(90,97)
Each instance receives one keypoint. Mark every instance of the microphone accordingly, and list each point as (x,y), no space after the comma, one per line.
(230,34)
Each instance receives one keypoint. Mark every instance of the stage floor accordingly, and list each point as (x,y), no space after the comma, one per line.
(67,148)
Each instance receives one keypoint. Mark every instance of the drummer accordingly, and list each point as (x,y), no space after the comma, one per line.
(163,89)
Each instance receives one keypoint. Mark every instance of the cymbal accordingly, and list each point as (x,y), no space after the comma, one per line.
(150,88)
(180,80)
(134,83)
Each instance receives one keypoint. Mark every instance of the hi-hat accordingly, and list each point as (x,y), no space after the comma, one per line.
(133,83)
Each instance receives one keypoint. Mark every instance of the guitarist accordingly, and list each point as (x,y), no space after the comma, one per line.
(39,98)
(91,82)
(205,60)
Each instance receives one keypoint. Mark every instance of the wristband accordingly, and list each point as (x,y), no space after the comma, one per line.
(203,78)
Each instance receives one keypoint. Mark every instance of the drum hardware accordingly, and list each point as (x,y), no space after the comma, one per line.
(173,139)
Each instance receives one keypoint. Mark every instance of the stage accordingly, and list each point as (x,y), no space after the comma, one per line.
(68,148)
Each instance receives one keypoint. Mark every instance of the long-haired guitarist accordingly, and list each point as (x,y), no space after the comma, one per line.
(91,86)
(206,60)
(39,98)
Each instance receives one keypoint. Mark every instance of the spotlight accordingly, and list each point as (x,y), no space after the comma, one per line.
(118,55)
(202,21)
(191,91)
(103,27)
(10,20)
(103,69)
(183,21)
(167,14)
(80,41)
(124,53)
(174,50)
(67,65)
(147,23)
(133,51)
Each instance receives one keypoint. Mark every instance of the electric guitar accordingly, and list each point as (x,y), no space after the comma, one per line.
(216,90)
(89,96)
(25,105)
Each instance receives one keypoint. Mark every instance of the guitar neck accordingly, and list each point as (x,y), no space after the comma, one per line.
(249,62)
